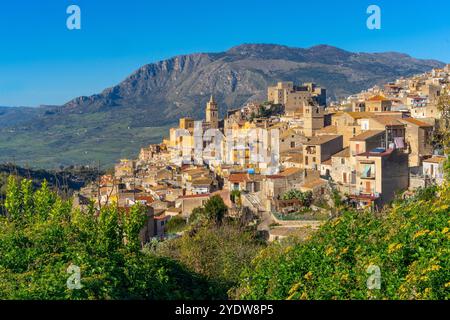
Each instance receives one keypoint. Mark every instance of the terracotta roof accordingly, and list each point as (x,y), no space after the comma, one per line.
(238,177)
(161,217)
(345,153)
(388,120)
(206,195)
(275,176)
(287,133)
(289,171)
(417,122)
(377,98)
(149,199)
(313,183)
(328,130)
(360,115)
(366,135)
(202,181)
(318,140)
(293,157)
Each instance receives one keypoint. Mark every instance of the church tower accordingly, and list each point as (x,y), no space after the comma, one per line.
(212,114)
(313,119)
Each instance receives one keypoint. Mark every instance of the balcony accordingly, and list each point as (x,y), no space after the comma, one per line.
(362,175)
(366,193)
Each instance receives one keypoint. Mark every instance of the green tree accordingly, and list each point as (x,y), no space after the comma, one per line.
(175,224)
(218,252)
(42,235)
(213,210)
(305,198)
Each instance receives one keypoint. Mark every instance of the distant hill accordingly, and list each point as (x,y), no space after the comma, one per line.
(138,111)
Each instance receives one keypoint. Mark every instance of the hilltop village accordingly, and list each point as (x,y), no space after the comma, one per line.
(365,150)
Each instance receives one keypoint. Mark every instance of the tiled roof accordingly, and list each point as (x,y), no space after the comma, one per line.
(292,157)
(417,122)
(206,195)
(161,217)
(202,181)
(377,98)
(238,177)
(149,199)
(328,130)
(318,140)
(388,120)
(289,171)
(345,153)
(366,135)
(311,184)
(360,115)
(287,133)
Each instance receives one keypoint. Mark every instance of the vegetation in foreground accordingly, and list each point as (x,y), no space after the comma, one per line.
(213,246)
(410,244)
(42,236)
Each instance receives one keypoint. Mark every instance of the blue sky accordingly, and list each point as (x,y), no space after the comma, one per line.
(42,62)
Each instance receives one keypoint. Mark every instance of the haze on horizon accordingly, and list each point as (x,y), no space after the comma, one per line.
(42,62)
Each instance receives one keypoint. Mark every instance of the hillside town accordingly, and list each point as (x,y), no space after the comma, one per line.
(285,161)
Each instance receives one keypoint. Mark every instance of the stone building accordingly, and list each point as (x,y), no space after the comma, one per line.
(294,98)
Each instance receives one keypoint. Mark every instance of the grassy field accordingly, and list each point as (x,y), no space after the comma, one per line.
(79,140)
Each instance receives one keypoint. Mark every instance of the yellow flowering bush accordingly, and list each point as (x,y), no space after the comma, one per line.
(409,243)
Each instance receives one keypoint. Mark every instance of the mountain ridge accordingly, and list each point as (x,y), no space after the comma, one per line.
(192,73)
(117,121)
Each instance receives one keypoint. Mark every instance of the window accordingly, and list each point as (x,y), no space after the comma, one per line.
(292,144)
(342,160)
(368,171)
(365,125)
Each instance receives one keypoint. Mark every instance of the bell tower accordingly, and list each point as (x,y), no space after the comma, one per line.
(212,113)
(313,119)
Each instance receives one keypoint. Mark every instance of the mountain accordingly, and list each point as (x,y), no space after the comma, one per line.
(180,85)
(137,111)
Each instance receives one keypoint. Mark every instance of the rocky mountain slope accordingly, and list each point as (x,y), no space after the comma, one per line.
(117,121)
(180,85)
